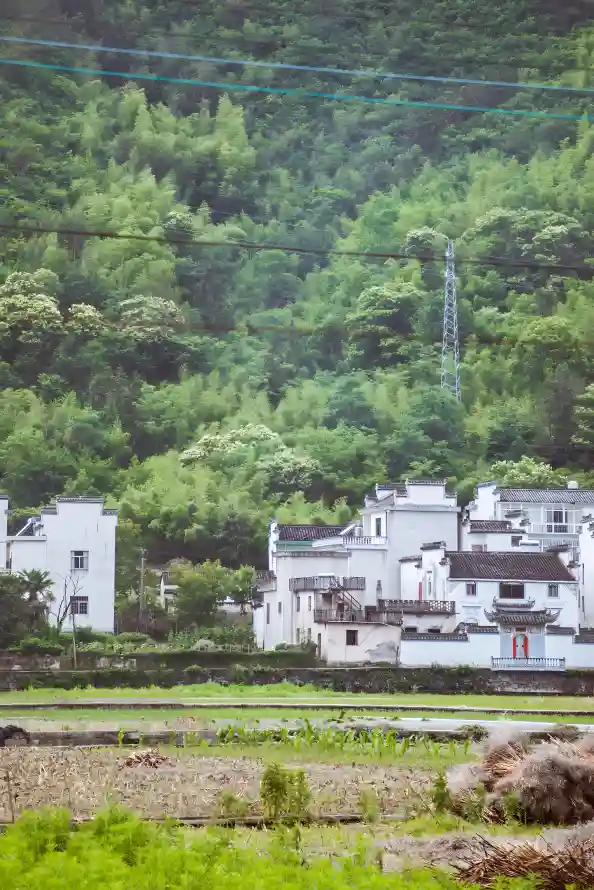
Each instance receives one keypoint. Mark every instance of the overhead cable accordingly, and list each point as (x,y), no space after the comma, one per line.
(286,91)
(284,66)
(289,248)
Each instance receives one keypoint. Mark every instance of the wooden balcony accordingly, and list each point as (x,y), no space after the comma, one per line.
(417,607)
(351,616)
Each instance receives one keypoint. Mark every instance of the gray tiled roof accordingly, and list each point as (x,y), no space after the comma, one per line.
(489,525)
(308,532)
(508,567)
(547,495)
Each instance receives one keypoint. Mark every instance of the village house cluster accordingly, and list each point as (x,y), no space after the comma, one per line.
(506,583)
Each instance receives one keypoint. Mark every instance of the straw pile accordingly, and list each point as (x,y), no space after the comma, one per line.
(150,758)
(547,783)
(570,865)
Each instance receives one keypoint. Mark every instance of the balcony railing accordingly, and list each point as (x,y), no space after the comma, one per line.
(553,528)
(417,607)
(364,541)
(321,582)
(351,616)
(528,664)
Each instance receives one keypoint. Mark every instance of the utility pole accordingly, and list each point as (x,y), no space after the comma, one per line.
(450,349)
(141,603)
(73,634)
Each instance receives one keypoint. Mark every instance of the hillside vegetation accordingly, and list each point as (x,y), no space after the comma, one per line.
(208,388)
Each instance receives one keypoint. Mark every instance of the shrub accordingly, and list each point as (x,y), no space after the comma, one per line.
(88,635)
(284,793)
(38,646)
(133,637)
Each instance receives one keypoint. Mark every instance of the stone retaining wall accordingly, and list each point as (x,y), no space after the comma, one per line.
(376,679)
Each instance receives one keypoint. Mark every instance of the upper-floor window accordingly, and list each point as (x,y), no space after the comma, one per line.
(479,548)
(79,605)
(267,613)
(554,590)
(79,561)
(298,608)
(352,637)
(309,603)
(471,588)
(557,521)
(280,608)
(516,540)
(511,591)
(378,527)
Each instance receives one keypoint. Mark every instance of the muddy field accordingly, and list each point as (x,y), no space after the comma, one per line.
(187,785)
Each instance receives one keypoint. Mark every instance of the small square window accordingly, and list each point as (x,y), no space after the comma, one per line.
(352,637)
(470,588)
(298,606)
(79,561)
(554,590)
(79,605)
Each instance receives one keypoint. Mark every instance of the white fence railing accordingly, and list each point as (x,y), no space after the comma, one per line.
(528,664)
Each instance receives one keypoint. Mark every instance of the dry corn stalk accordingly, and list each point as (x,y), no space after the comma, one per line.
(555,868)
(549,783)
(150,758)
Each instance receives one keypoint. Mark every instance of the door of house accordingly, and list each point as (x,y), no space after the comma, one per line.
(520,645)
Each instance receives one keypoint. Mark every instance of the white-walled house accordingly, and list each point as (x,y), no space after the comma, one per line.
(551,516)
(334,586)
(507,605)
(489,595)
(74,541)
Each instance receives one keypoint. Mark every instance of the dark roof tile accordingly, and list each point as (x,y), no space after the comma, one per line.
(489,525)
(547,495)
(308,532)
(508,567)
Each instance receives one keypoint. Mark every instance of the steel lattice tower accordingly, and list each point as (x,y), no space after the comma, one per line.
(450,350)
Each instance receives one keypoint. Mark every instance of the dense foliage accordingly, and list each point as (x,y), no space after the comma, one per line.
(119,850)
(206,389)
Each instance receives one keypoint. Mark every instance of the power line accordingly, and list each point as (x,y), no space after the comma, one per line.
(288,248)
(283,66)
(286,91)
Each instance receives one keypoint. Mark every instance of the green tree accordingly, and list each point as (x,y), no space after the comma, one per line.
(527,473)
(201,588)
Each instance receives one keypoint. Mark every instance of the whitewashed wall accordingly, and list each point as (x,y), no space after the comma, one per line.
(477,652)
(3,529)
(75,525)
(586,572)
(384,638)
(279,622)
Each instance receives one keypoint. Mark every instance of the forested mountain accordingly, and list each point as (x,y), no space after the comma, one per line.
(207,387)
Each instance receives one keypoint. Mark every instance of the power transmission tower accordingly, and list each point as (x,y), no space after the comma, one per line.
(450,349)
